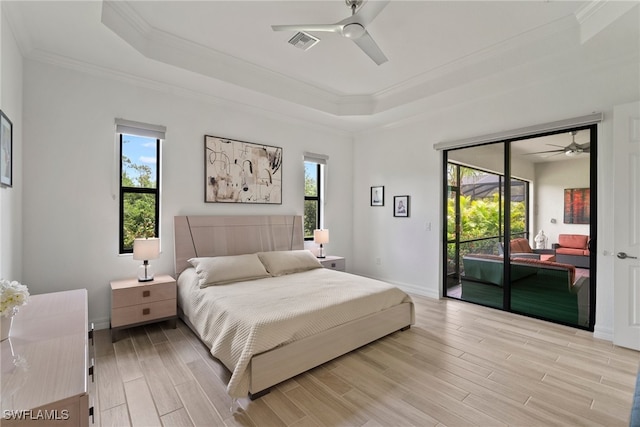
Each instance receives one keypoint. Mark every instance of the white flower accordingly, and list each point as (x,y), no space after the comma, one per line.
(12,296)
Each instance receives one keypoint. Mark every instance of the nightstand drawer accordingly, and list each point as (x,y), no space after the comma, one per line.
(142,313)
(334,263)
(143,294)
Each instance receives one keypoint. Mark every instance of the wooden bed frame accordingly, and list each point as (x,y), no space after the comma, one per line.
(206,236)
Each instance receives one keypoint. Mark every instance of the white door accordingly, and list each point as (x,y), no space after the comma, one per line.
(626,147)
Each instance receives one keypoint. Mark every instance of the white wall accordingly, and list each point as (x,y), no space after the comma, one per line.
(407,248)
(403,159)
(551,180)
(70,178)
(11,197)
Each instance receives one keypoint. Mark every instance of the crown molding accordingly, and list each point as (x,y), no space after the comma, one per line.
(162,46)
(159,45)
(263,109)
(495,52)
(477,93)
(596,15)
(15,20)
(517,62)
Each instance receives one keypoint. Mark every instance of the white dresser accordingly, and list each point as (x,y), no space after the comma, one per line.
(45,362)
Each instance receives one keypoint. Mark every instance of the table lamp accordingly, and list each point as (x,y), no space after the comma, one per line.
(146,249)
(322,237)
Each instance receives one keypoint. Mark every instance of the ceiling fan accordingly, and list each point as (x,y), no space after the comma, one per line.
(573,149)
(353,27)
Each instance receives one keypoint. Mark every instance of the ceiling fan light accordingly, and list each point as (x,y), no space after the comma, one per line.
(572,153)
(353,31)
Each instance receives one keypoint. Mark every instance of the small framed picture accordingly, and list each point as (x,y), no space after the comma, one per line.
(6,150)
(377,195)
(401,206)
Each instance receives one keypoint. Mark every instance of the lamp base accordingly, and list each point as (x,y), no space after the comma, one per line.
(321,252)
(145,273)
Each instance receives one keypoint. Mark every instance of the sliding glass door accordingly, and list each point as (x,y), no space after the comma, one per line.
(475,210)
(528,203)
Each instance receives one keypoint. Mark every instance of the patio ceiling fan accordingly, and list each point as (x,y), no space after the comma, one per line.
(573,149)
(353,27)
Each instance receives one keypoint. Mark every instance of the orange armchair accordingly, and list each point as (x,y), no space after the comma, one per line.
(573,249)
(520,248)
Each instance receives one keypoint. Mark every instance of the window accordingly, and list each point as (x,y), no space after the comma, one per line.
(313,193)
(475,212)
(139,183)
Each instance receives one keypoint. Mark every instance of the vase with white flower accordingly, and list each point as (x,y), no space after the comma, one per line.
(12,296)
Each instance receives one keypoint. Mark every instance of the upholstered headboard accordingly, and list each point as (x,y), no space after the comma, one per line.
(206,236)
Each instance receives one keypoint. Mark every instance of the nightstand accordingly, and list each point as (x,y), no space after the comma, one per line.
(333,262)
(136,303)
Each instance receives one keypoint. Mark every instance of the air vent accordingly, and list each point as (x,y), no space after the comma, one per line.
(303,41)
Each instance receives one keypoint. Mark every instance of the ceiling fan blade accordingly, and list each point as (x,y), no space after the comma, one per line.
(370,47)
(327,28)
(367,13)
(543,152)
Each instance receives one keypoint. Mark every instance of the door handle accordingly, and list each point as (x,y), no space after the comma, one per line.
(623,255)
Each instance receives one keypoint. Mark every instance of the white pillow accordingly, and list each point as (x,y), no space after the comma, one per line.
(223,270)
(279,263)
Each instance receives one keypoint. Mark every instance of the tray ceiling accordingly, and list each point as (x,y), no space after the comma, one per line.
(227,49)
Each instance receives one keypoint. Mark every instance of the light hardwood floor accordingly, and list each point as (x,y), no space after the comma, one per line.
(460,364)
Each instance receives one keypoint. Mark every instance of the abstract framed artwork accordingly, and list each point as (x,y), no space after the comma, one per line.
(577,206)
(6,150)
(377,195)
(401,206)
(241,172)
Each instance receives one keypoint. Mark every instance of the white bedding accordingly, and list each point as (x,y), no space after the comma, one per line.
(243,319)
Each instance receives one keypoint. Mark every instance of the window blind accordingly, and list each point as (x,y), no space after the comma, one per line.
(316,158)
(140,129)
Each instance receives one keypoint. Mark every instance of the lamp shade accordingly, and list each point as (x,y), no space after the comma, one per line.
(321,236)
(145,249)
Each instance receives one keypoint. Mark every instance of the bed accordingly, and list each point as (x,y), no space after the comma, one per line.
(268,325)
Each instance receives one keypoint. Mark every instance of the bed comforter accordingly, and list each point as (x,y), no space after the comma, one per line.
(243,319)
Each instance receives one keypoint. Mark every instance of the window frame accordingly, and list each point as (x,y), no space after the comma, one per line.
(123,190)
(591,123)
(318,198)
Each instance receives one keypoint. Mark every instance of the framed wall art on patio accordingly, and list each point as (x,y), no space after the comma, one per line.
(401,206)
(577,206)
(6,150)
(241,172)
(377,195)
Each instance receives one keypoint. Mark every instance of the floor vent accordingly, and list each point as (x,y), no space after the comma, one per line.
(303,41)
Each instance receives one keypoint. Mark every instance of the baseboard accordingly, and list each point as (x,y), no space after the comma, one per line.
(603,333)
(409,288)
